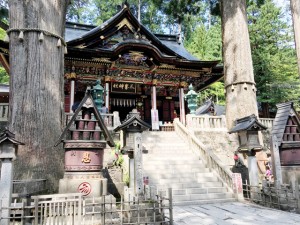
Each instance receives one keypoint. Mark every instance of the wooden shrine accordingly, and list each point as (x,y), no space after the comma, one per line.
(138,69)
(286,127)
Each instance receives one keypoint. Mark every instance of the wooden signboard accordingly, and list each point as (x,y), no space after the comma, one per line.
(123,87)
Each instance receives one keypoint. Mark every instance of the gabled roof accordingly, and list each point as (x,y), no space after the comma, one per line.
(133,123)
(247,123)
(88,101)
(284,112)
(166,45)
(9,137)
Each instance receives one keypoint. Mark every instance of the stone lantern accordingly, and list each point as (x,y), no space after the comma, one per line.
(8,153)
(191,97)
(133,127)
(247,129)
(97,93)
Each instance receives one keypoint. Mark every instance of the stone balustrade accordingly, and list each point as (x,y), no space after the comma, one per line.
(206,122)
(268,122)
(216,123)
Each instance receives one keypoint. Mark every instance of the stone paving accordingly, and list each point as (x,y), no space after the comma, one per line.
(232,213)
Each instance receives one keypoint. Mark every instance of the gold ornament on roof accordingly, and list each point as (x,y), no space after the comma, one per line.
(123,23)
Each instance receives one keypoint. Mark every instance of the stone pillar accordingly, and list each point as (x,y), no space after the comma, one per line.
(253,170)
(276,166)
(138,164)
(72,94)
(131,174)
(6,187)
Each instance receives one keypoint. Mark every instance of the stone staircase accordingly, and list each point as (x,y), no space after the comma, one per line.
(170,164)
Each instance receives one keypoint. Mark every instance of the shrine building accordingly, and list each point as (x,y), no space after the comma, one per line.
(137,69)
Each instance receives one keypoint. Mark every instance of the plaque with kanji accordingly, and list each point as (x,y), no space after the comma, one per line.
(123,87)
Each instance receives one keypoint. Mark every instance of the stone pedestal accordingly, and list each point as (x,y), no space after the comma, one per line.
(91,184)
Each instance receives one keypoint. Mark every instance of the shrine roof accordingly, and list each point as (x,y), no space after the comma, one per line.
(75,30)
(87,36)
(284,112)
(247,123)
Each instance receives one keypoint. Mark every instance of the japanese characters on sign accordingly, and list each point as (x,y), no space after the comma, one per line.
(237,183)
(123,87)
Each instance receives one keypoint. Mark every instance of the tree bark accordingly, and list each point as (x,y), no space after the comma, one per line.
(36,94)
(238,68)
(295,9)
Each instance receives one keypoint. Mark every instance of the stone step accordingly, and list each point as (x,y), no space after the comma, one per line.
(194,197)
(182,180)
(206,201)
(176,168)
(178,185)
(199,190)
(180,175)
(154,170)
(171,162)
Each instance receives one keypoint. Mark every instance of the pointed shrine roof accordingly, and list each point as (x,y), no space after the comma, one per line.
(88,102)
(284,112)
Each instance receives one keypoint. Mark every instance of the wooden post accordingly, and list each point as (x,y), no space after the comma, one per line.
(170,205)
(107,96)
(72,93)
(276,166)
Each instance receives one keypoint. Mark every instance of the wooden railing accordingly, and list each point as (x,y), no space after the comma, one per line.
(4,111)
(208,157)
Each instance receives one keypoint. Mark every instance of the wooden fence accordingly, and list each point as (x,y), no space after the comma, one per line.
(74,209)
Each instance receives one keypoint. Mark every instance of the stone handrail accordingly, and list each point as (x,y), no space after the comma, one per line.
(268,122)
(4,111)
(206,122)
(211,160)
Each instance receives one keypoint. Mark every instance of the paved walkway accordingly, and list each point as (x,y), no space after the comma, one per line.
(232,213)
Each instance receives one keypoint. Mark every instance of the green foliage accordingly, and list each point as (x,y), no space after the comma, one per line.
(4,78)
(274,59)
(78,11)
(206,44)
(215,92)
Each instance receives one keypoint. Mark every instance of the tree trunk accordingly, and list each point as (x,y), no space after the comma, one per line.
(36,94)
(238,68)
(295,9)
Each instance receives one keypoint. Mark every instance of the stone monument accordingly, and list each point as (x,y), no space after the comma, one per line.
(133,127)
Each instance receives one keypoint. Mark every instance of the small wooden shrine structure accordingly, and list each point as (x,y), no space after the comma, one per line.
(138,69)
(85,138)
(286,128)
